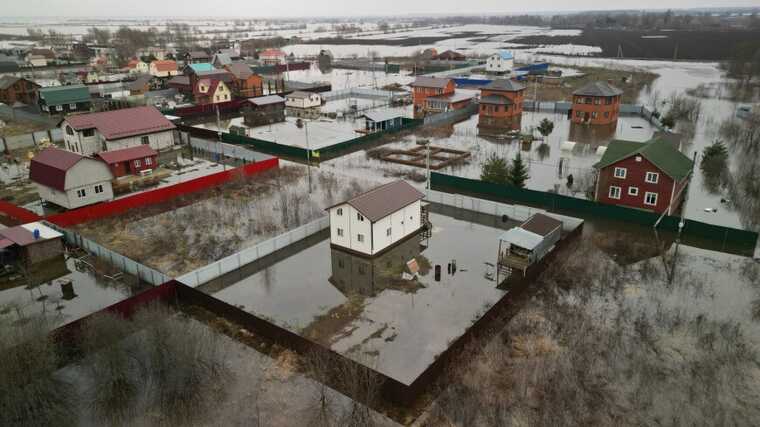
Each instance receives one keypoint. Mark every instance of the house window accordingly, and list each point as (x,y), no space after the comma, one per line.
(137,163)
(339,232)
(606,114)
(594,115)
(360,238)
(388,232)
(579,114)
(620,173)
(633,191)
(72,106)
(614,192)
(145,140)
(597,101)
(340,211)
(98,188)
(69,130)
(652,177)
(81,193)
(650,199)
(359,216)
(88,132)
(59,108)
(148,161)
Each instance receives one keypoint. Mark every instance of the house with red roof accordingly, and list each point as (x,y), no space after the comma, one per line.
(211,91)
(272,56)
(129,161)
(89,134)
(70,180)
(165,68)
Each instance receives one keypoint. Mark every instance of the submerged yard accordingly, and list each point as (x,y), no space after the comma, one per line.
(183,234)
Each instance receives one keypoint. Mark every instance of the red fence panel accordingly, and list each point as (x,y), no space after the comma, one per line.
(197,110)
(147,198)
(17,213)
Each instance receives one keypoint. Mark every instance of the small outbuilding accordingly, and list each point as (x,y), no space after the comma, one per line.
(130,161)
(525,245)
(374,221)
(381,120)
(264,110)
(70,180)
(30,244)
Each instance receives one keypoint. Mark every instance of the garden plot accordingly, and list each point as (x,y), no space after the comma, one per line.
(367,309)
(550,162)
(181,235)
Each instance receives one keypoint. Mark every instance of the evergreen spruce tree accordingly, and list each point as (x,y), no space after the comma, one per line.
(495,170)
(518,173)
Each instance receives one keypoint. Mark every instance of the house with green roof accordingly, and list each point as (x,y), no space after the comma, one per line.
(64,99)
(650,175)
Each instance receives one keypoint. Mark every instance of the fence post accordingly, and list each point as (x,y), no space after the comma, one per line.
(5,145)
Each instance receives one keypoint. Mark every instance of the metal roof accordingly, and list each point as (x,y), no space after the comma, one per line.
(382,115)
(541,224)
(598,89)
(127,154)
(164,65)
(59,95)
(522,238)
(658,151)
(382,201)
(453,98)
(123,123)
(505,54)
(299,94)
(436,82)
(266,100)
(496,99)
(506,85)
(201,67)
(50,165)
(241,70)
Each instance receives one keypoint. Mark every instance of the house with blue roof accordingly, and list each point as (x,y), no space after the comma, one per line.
(501,63)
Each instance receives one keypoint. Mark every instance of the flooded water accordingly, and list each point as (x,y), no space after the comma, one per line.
(91,293)
(364,309)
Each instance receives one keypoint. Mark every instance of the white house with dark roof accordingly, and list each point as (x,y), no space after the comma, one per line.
(70,180)
(89,134)
(373,221)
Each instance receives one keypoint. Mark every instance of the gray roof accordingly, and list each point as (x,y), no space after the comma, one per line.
(505,85)
(139,83)
(382,201)
(598,89)
(541,224)
(382,115)
(454,97)
(522,238)
(496,99)
(222,58)
(300,94)
(7,81)
(422,81)
(266,100)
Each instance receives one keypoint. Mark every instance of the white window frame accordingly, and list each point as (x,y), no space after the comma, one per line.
(72,106)
(646,198)
(360,238)
(633,191)
(59,108)
(618,169)
(137,163)
(652,181)
(148,161)
(610,192)
(98,188)
(81,193)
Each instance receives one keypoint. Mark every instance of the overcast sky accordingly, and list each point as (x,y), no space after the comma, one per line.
(270,8)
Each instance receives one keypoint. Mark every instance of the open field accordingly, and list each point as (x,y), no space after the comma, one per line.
(181,235)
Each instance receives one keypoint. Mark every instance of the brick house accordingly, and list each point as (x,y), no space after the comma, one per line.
(130,161)
(246,83)
(15,89)
(501,105)
(424,87)
(597,103)
(651,176)
(446,103)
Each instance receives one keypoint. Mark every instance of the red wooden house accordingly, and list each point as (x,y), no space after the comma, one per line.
(246,83)
(130,161)
(16,89)
(424,87)
(651,176)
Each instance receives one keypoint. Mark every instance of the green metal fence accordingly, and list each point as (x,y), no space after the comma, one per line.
(325,153)
(728,239)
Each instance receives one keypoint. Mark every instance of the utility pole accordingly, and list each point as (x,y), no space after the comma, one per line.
(219,135)
(308,153)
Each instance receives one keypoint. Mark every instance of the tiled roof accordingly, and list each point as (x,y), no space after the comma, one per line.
(382,201)
(122,123)
(166,65)
(50,165)
(495,100)
(436,82)
(598,89)
(658,151)
(127,154)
